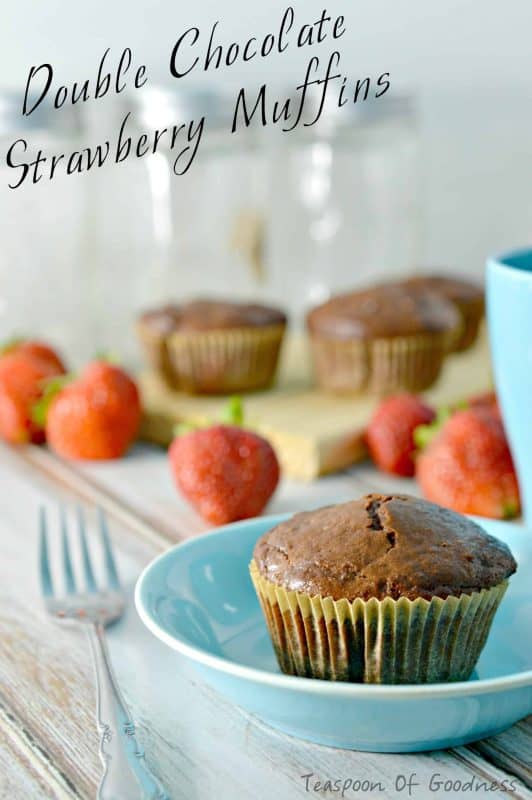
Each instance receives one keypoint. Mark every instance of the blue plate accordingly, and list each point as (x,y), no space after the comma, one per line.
(199,600)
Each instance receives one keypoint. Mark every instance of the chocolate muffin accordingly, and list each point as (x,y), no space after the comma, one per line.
(213,346)
(382,339)
(385,589)
(153,329)
(466,296)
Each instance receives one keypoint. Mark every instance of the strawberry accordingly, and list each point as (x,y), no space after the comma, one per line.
(486,400)
(226,472)
(22,381)
(390,433)
(36,349)
(468,466)
(96,416)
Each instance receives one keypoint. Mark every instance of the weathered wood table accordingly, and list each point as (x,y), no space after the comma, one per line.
(200,745)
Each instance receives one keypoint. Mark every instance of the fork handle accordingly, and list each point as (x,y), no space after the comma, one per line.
(125,774)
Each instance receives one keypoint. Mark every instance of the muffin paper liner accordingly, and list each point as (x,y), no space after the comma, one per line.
(377,641)
(224,361)
(380,366)
(156,353)
(472,314)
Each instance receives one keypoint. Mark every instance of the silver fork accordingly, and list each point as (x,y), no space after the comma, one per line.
(125,774)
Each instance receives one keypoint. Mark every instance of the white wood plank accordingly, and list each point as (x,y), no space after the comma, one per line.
(202,746)
(24,771)
(511,750)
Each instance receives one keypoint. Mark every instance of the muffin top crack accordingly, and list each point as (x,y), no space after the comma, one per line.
(382,546)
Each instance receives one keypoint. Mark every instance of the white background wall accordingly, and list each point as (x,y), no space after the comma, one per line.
(469,61)
(430,44)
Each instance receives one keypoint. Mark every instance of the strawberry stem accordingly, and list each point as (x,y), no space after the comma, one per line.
(184,427)
(109,356)
(10,344)
(233,413)
(51,389)
(510,510)
(424,434)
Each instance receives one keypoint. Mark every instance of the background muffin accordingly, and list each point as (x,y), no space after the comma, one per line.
(382,339)
(466,296)
(153,329)
(218,347)
(385,589)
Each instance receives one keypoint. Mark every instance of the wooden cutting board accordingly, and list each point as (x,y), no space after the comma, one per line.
(313,432)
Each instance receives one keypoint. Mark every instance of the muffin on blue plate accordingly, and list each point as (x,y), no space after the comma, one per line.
(385,589)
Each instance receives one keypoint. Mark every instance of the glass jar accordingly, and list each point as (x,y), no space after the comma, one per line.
(345,202)
(43,232)
(282,217)
(160,236)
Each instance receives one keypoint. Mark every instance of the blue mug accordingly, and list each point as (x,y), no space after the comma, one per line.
(509,309)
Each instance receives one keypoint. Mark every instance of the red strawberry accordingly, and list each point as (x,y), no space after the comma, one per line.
(96,416)
(37,349)
(22,381)
(486,400)
(226,472)
(468,466)
(390,433)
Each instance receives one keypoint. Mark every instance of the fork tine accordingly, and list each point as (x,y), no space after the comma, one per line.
(67,561)
(87,566)
(110,565)
(47,587)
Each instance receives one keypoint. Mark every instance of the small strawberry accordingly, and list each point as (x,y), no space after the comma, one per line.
(468,466)
(486,400)
(22,381)
(226,472)
(96,416)
(37,349)
(390,433)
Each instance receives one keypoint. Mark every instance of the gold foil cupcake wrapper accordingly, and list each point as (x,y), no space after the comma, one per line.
(380,366)
(377,641)
(225,361)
